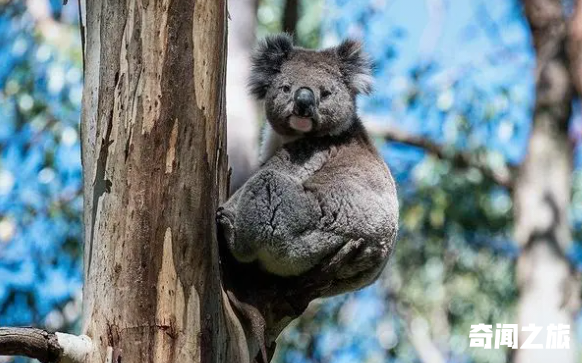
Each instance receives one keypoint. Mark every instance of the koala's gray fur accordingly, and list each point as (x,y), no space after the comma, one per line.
(320,195)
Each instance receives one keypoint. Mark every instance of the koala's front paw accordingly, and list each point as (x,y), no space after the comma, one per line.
(225,224)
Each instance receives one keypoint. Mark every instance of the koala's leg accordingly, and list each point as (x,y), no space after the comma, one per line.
(362,264)
(355,265)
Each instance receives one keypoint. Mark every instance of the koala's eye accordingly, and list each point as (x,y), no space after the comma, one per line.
(324,93)
(286,88)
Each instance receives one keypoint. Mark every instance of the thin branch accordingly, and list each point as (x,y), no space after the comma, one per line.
(45,346)
(502,176)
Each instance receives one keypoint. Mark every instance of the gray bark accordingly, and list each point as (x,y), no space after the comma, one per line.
(34,343)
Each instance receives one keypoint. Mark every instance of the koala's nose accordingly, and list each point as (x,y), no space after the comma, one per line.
(304,102)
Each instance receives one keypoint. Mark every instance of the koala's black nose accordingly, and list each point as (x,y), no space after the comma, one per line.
(304,102)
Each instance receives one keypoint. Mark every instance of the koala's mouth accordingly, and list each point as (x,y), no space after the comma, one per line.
(301,124)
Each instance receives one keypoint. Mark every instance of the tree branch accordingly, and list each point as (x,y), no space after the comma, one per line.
(290,17)
(502,176)
(45,346)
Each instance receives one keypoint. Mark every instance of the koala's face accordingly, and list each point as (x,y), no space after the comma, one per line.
(306,91)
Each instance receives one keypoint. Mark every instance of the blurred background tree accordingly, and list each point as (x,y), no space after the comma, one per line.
(451,113)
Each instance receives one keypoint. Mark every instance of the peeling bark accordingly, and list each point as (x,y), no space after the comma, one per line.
(154,160)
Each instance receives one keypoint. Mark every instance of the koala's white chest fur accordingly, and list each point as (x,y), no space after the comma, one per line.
(272,142)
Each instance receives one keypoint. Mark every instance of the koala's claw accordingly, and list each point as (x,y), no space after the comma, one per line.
(223,214)
(343,257)
(225,223)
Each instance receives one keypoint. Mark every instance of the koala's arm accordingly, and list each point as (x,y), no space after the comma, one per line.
(266,216)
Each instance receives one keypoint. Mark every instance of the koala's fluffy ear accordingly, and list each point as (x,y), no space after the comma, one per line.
(267,61)
(355,66)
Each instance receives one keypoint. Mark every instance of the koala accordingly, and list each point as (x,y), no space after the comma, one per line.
(322,194)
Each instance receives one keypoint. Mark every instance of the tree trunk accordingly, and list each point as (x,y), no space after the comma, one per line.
(154,162)
(243,120)
(549,290)
(290,17)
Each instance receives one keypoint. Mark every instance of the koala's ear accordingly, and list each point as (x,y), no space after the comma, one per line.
(267,60)
(355,66)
